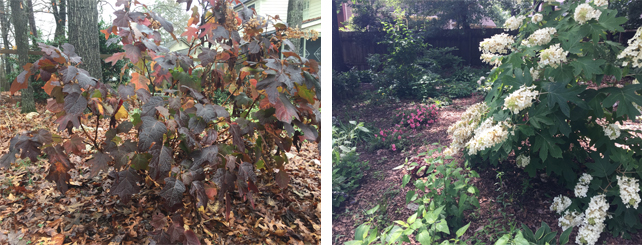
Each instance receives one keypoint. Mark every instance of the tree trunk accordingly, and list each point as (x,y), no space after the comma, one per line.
(337,49)
(60,16)
(4,30)
(22,43)
(32,23)
(295,19)
(83,34)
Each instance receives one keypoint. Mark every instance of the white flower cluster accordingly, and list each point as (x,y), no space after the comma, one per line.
(497,44)
(534,73)
(487,135)
(634,51)
(560,204)
(593,222)
(553,56)
(537,18)
(584,12)
(520,99)
(582,186)
(612,131)
(488,59)
(463,129)
(601,2)
(513,23)
(629,191)
(523,161)
(540,37)
(570,219)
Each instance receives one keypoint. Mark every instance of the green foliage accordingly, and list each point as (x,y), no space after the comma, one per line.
(112,73)
(567,113)
(462,83)
(347,85)
(542,236)
(347,169)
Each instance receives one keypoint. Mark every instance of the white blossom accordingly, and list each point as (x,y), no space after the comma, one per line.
(463,129)
(540,37)
(629,191)
(601,2)
(487,135)
(570,219)
(584,12)
(588,234)
(612,131)
(537,18)
(534,73)
(560,203)
(520,99)
(580,190)
(633,51)
(513,23)
(553,56)
(497,44)
(488,59)
(585,179)
(523,161)
(596,212)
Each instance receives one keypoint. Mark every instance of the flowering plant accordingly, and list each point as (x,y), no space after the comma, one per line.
(409,122)
(557,103)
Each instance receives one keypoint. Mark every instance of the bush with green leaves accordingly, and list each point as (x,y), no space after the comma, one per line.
(542,236)
(346,85)
(462,83)
(347,169)
(560,93)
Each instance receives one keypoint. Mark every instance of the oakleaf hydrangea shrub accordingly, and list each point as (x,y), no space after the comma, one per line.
(560,94)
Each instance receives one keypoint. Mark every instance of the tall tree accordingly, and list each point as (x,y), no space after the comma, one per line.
(338,63)
(4,30)
(32,23)
(59,9)
(22,43)
(295,19)
(83,26)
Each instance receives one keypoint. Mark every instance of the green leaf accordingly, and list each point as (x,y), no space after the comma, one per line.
(545,144)
(424,238)
(519,239)
(549,237)
(571,40)
(626,96)
(372,210)
(588,66)
(432,216)
(539,233)
(609,20)
(394,234)
(610,69)
(353,242)
(405,180)
(362,232)
(443,226)
(503,240)
(601,166)
(559,94)
(410,195)
(565,236)
(539,115)
(462,230)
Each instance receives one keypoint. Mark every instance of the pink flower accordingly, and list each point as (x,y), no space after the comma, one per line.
(394,148)
(383,139)
(412,125)
(381,132)
(399,138)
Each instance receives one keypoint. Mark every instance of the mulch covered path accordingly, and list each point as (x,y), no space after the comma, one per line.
(500,209)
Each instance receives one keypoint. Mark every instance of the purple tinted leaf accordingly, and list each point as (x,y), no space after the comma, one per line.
(176,230)
(207,56)
(151,133)
(246,171)
(235,129)
(99,162)
(173,193)
(125,91)
(196,125)
(143,95)
(149,108)
(159,220)
(132,52)
(125,184)
(208,154)
(7,159)
(270,85)
(197,190)
(122,20)
(75,104)
(212,136)
(69,74)
(86,81)
(191,238)
(161,163)
(164,23)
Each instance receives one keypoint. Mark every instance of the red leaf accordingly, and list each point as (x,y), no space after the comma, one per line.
(115,58)
(58,173)
(19,83)
(53,106)
(173,193)
(176,230)
(125,184)
(190,33)
(140,81)
(191,238)
(158,220)
(285,110)
(132,52)
(99,162)
(74,145)
(211,191)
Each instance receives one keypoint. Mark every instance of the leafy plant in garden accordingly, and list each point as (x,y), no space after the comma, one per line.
(409,121)
(347,169)
(183,139)
(561,90)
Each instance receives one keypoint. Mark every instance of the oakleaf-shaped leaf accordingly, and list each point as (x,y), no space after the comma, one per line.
(173,193)
(125,91)
(74,145)
(132,52)
(141,161)
(161,163)
(208,154)
(58,174)
(115,58)
(626,96)
(125,184)
(140,81)
(7,159)
(246,171)
(176,230)
(28,148)
(197,190)
(151,133)
(99,162)
(559,94)
(207,56)
(285,110)
(158,220)
(75,104)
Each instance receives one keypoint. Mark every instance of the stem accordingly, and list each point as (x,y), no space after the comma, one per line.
(89,136)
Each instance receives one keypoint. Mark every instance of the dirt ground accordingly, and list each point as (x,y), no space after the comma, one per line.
(501,210)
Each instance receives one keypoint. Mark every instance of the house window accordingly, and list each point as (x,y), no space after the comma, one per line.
(306,9)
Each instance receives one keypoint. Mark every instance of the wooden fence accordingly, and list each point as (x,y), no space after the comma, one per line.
(358,45)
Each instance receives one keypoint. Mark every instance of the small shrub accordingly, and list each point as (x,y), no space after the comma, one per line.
(346,85)
(408,122)
(347,170)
